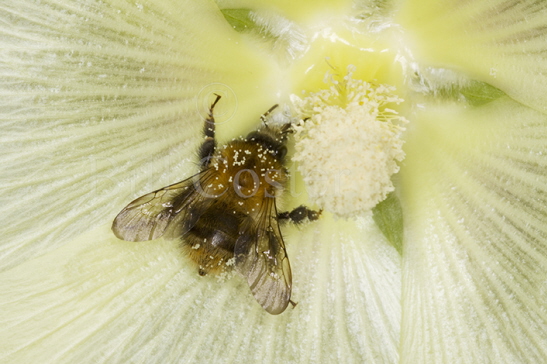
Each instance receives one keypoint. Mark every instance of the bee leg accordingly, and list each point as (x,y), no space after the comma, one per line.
(293,303)
(207,149)
(288,129)
(299,215)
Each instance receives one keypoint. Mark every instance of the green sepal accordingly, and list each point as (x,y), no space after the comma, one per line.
(480,93)
(388,216)
(239,19)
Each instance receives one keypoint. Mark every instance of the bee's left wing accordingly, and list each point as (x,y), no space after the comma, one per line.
(261,257)
(149,216)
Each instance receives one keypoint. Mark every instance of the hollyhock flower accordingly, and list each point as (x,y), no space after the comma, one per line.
(421,132)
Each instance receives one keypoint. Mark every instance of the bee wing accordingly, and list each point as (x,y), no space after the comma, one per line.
(261,257)
(149,216)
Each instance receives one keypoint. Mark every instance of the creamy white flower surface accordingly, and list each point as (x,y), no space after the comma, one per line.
(103,101)
(475,253)
(496,41)
(84,83)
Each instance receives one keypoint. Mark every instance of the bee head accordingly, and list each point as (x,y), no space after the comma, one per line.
(273,138)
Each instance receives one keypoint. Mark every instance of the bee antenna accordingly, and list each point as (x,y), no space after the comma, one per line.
(215,102)
(265,115)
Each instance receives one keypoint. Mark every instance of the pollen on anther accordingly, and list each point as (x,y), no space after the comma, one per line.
(350,141)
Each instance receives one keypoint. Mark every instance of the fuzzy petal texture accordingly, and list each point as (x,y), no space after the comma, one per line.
(503,43)
(474,196)
(103,101)
(98,299)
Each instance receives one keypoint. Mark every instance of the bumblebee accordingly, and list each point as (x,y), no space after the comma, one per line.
(226,214)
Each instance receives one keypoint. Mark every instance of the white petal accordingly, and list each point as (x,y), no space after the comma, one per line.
(103,101)
(503,43)
(97,299)
(474,198)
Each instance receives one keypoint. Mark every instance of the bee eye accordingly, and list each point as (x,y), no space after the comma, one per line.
(282,152)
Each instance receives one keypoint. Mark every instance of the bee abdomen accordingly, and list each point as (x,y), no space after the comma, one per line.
(212,239)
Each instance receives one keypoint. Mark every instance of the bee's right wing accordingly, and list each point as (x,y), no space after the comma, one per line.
(149,216)
(262,259)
